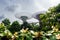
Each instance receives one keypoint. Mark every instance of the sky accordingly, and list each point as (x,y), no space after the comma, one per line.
(9,8)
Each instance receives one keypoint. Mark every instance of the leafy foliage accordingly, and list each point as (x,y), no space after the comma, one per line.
(49,23)
(6,22)
(26,25)
(24,18)
(2,27)
(15,27)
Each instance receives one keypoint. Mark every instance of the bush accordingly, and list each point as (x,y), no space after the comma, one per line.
(15,27)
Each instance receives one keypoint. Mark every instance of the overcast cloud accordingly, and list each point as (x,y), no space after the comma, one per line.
(10,7)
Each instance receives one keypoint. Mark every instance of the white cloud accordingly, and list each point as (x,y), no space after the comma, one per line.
(11,7)
(45,4)
(54,2)
(39,5)
(42,4)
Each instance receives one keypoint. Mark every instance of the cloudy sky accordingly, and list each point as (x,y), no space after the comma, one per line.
(9,8)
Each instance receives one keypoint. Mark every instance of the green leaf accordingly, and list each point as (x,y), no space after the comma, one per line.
(52,38)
